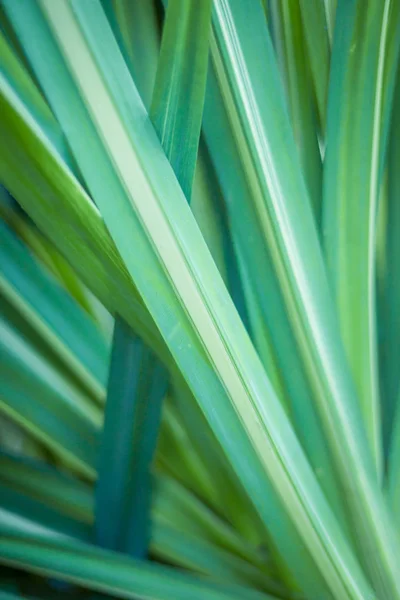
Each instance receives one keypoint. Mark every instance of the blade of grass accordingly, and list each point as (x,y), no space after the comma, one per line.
(169,228)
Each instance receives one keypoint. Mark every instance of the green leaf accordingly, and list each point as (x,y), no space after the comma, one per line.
(177,103)
(167,229)
(65,494)
(44,305)
(390,321)
(81,234)
(295,68)
(23,513)
(318,27)
(356,144)
(136,388)
(109,572)
(235,169)
(393,483)
(137,383)
(56,415)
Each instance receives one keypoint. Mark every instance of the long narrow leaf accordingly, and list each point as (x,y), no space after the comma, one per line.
(133,408)
(55,414)
(300,93)
(104,571)
(136,388)
(391,285)
(355,145)
(212,319)
(44,304)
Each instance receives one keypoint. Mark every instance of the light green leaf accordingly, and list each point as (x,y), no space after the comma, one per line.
(293,59)
(356,145)
(318,27)
(177,103)
(167,230)
(44,306)
(109,572)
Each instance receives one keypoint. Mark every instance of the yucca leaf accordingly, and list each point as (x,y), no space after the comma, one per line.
(330,11)
(20,80)
(390,325)
(38,298)
(287,25)
(23,513)
(318,27)
(137,384)
(191,233)
(166,225)
(288,228)
(69,496)
(235,170)
(350,203)
(177,103)
(261,337)
(135,27)
(136,388)
(49,256)
(219,486)
(82,236)
(393,483)
(100,570)
(206,205)
(56,415)
(205,559)
(174,505)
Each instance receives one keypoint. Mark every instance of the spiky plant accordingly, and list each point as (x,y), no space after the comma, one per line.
(223,178)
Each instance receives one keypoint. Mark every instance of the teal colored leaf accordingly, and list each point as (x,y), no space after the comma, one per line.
(137,383)
(200,314)
(356,144)
(41,301)
(390,319)
(56,415)
(123,577)
(292,57)
(177,102)
(136,388)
